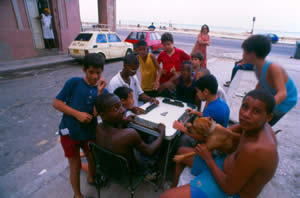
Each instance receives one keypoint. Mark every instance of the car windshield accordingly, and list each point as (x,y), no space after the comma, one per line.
(83,37)
(113,38)
(137,36)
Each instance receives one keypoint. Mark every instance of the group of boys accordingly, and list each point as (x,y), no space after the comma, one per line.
(242,173)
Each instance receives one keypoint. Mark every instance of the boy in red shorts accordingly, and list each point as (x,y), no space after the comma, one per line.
(78,124)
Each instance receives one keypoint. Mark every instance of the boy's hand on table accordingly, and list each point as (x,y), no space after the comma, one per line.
(84,117)
(101,85)
(130,118)
(154,100)
(178,125)
(193,112)
(138,110)
(162,129)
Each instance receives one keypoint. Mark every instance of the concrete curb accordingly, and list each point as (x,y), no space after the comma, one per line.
(33,65)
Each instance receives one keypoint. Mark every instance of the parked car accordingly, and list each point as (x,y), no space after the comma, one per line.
(106,43)
(152,39)
(272,37)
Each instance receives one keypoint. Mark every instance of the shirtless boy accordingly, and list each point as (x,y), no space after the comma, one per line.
(111,133)
(244,172)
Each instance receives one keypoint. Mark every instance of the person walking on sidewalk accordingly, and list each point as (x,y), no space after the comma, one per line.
(78,124)
(202,42)
(271,76)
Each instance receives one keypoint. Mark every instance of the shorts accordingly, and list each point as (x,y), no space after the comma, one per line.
(72,147)
(204,184)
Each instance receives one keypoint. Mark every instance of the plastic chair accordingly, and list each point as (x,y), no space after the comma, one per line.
(114,167)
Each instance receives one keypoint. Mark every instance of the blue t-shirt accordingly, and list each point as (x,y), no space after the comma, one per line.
(219,111)
(78,95)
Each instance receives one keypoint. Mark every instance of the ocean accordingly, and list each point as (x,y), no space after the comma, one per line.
(213,28)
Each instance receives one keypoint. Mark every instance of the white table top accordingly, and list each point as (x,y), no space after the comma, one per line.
(165,114)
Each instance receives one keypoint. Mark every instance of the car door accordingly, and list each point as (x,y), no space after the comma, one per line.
(154,41)
(101,45)
(116,46)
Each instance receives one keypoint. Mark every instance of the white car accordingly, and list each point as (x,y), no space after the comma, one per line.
(106,43)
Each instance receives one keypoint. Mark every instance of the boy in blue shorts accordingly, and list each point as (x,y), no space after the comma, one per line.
(78,125)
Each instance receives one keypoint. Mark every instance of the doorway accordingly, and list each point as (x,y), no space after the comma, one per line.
(35,8)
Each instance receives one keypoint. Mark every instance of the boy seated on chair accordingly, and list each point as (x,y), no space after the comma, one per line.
(114,135)
(242,173)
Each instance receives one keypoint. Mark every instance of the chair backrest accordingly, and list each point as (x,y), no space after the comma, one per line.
(109,164)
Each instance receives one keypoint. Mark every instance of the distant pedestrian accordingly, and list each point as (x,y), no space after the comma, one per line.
(271,76)
(78,124)
(203,41)
(46,20)
(151,27)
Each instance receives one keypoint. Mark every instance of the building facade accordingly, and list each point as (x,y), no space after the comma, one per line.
(21,33)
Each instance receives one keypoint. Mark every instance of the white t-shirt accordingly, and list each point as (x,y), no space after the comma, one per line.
(117,81)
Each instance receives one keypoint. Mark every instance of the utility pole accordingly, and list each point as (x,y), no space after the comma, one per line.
(253,21)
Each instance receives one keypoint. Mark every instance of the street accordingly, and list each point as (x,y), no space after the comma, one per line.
(28,121)
(286,50)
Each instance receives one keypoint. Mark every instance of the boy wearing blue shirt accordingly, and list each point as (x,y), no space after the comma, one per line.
(78,125)
(216,107)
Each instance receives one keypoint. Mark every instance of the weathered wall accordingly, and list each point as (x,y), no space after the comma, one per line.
(15,34)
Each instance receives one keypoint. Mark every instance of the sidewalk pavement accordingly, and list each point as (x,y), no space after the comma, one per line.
(33,63)
(47,175)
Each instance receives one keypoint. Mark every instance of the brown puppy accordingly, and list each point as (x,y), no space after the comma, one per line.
(215,136)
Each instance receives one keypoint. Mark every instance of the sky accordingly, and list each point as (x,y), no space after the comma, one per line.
(281,15)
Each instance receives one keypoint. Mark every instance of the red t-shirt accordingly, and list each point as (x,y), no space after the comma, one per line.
(171,61)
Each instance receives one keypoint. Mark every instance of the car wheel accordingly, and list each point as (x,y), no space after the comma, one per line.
(129,51)
(103,56)
(150,50)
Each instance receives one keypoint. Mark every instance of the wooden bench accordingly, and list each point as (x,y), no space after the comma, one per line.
(243,82)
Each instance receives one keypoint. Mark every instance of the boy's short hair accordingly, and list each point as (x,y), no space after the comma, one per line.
(93,60)
(264,97)
(167,37)
(204,70)
(208,82)
(104,102)
(197,55)
(123,92)
(141,43)
(189,63)
(131,59)
(258,44)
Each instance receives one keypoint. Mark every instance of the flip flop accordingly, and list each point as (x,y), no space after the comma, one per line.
(86,196)
(91,183)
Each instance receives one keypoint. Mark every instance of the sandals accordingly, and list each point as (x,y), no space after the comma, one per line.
(227,84)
